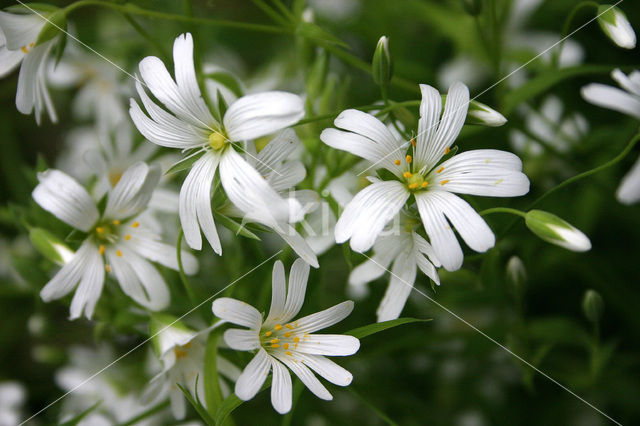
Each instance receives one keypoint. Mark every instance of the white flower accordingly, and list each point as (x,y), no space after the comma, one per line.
(182,354)
(190,125)
(616,26)
(408,251)
(279,340)
(116,241)
(421,174)
(18,36)
(626,101)
(12,397)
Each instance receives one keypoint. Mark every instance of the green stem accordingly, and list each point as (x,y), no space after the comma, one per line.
(567,25)
(151,411)
(183,276)
(284,10)
(268,10)
(372,407)
(503,210)
(135,10)
(164,53)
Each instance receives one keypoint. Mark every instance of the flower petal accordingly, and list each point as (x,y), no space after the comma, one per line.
(276,151)
(9,60)
(66,279)
(324,319)
(66,199)
(366,215)
(612,98)
(287,175)
(281,389)
(195,204)
(20,30)
(629,190)
(297,243)
(327,369)
(237,312)
(260,114)
(278,292)
(403,276)
(430,110)
(298,277)
(329,344)
(242,340)
(133,191)
(90,287)
(306,377)
(32,90)
(253,376)
(148,246)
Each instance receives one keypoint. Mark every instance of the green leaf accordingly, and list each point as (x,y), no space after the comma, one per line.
(232,402)
(30,7)
(185,163)
(234,226)
(212,393)
(74,421)
(377,327)
(202,411)
(546,81)
(317,34)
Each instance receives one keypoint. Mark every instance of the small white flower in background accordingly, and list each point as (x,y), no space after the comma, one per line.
(616,26)
(116,240)
(182,355)
(406,251)
(18,36)
(419,172)
(556,230)
(12,398)
(626,101)
(281,340)
(101,93)
(550,124)
(190,125)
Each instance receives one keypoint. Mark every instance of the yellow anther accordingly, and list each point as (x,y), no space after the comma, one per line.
(277,327)
(397,162)
(442,182)
(116,222)
(101,249)
(288,353)
(275,345)
(409,159)
(407,175)
(216,140)
(180,353)
(447,150)
(118,253)
(268,333)
(413,141)
(107,268)
(289,326)
(276,340)
(413,185)
(296,339)
(440,170)
(287,334)
(99,230)
(286,346)
(31,45)
(425,184)
(135,224)
(24,49)
(127,237)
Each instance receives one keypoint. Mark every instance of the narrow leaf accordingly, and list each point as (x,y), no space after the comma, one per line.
(212,393)
(202,411)
(377,327)
(77,419)
(234,226)
(185,163)
(232,402)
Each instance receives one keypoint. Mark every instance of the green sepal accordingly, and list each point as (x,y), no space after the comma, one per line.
(48,245)
(185,163)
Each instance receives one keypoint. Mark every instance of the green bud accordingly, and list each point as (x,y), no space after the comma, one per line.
(56,23)
(482,114)
(616,26)
(592,305)
(555,230)
(50,246)
(516,276)
(472,7)
(382,64)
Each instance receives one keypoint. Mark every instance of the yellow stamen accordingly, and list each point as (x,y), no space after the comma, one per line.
(286,346)
(409,159)
(31,45)
(447,150)
(268,333)
(407,175)
(116,222)
(289,326)
(135,224)
(180,353)
(276,340)
(413,185)
(440,170)
(107,268)
(127,237)
(24,49)
(442,182)
(413,141)
(287,334)
(101,250)
(99,230)
(397,162)
(118,253)
(425,184)
(277,327)
(296,339)
(275,346)
(288,353)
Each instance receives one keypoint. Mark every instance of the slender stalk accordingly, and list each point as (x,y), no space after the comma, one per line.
(183,276)
(567,25)
(503,210)
(151,411)
(268,10)
(164,53)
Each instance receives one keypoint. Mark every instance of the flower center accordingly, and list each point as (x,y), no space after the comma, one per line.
(217,140)
(281,338)
(182,351)
(415,181)
(108,233)
(114,177)
(25,49)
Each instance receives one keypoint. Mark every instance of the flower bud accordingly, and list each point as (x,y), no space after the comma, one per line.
(616,26)
(472,7)
(516,276)
(482,114)
(555,230)
(592,305)
(50,246)
(382,64)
